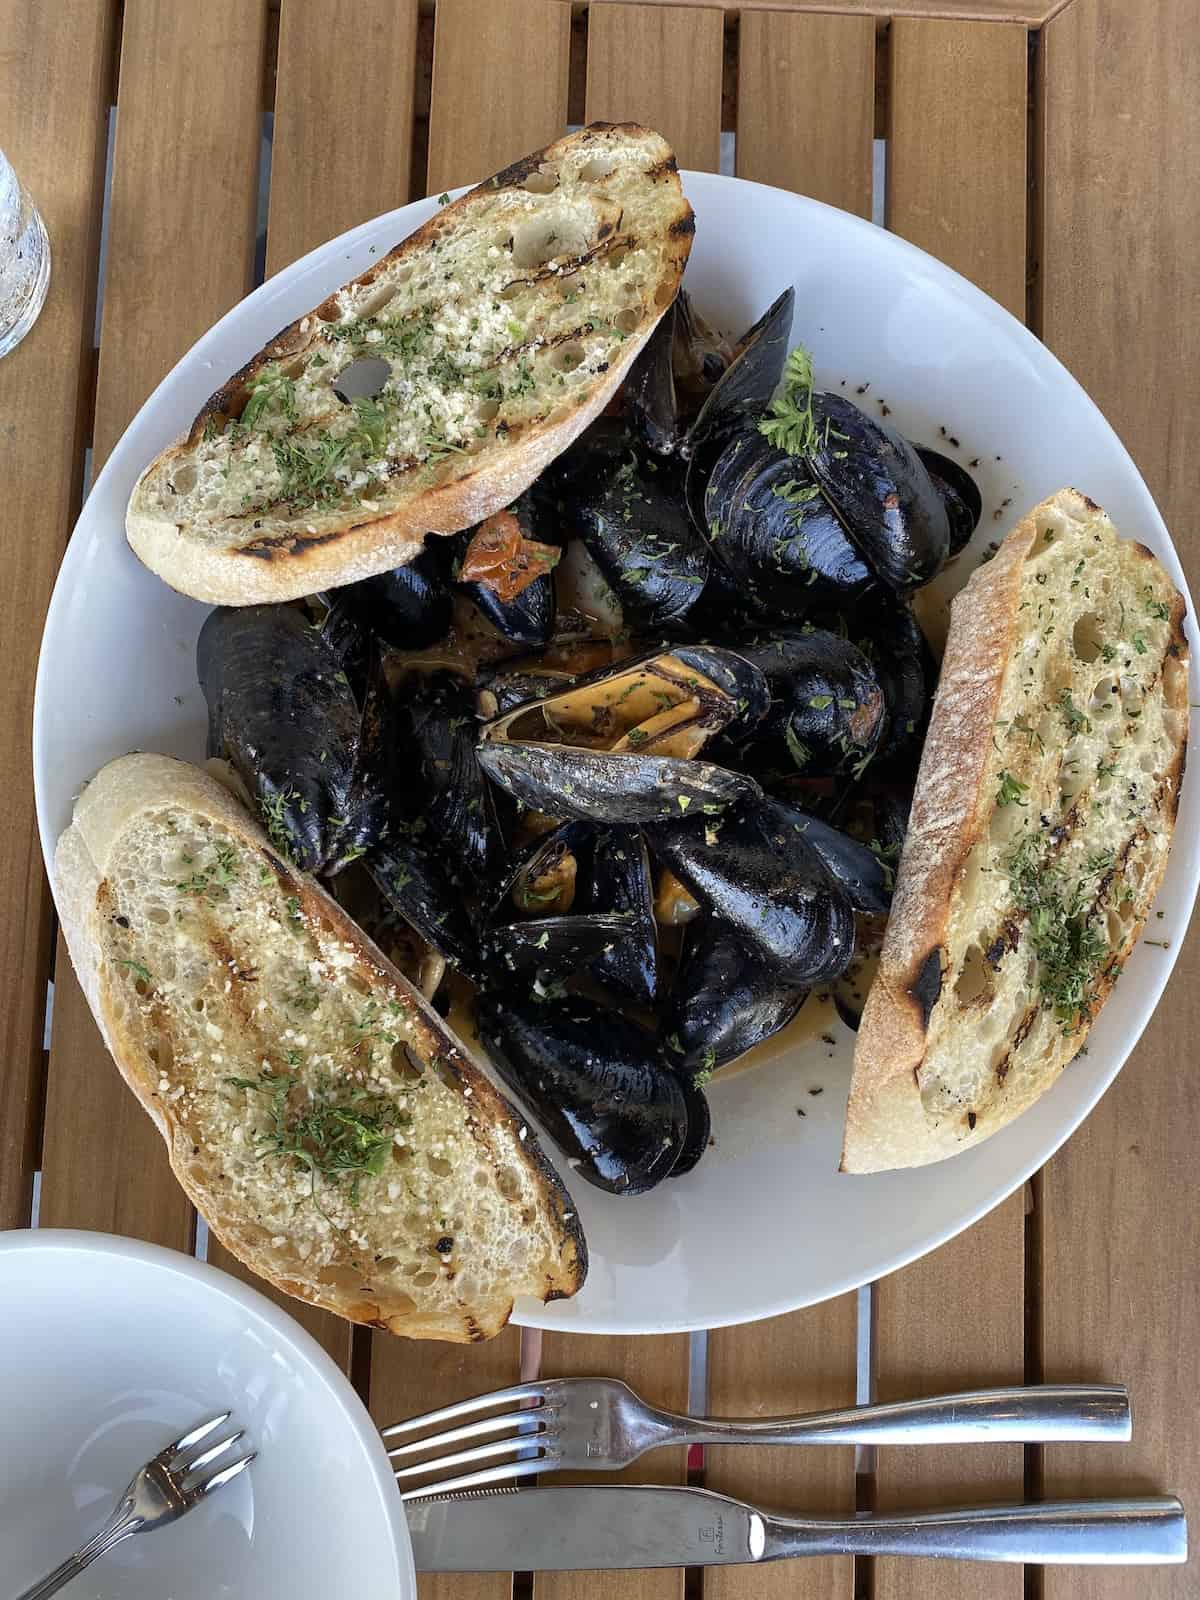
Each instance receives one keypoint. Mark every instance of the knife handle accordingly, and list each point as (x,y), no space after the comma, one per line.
(1137,1532)
(1041,1413)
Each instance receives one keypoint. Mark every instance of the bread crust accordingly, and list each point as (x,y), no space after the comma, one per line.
(121,794)
(280,568)
(887,1123)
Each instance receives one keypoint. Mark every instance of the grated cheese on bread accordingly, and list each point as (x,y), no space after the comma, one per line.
(1039,834)
(319,1115)
(502,327)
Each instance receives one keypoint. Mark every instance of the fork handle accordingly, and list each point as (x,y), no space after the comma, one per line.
(1134,1532)
(119,1526)
(1040,1413)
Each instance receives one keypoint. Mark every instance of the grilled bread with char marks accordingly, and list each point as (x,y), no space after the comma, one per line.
(503,326)
(317,1112)
(1039,834)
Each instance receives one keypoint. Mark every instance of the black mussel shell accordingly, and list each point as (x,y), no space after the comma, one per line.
(875,481)
(753,872)
(351,642)
(699,358)
(615,878)
(699,1128)
(649,390)
(505,691)
(771,527)
(724,1000)
(556,946)
(739,398)
(594,1081)
(410,607)
(959,493)
(866,879)
(438,780)
(616,746)
(634,526)
(410,872)
(746,684)
(599,450)
(527,619)
(827,711)
(904,664)
(282,712)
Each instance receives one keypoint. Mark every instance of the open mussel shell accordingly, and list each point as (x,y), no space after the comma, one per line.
(410,607)
(649,390)
(410,872)
(700,356)
(282,712)
(555,946)
(618,745)
(771,526)
(827,710)
(739,398)
(959,494)
(634,526)
(877,484)
(903,662)
(866,880)
(724,1000)
(506,690)
(437,778)
(754,873)
(594,1081)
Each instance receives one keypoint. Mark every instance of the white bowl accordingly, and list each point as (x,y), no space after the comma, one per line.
(109,1349)
(765,1223)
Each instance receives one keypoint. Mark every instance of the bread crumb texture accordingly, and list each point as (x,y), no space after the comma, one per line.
(332,1138)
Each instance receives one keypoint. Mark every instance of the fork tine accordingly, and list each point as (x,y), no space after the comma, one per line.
(222,1477)
(212,1453)
(466,1408)
(481,1452)
(476,1480)
(189,1439)
(469,1430)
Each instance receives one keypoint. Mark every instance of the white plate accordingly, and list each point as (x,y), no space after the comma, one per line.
(765,1224)
(109,1349)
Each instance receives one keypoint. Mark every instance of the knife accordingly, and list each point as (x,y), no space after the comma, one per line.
(615,1526)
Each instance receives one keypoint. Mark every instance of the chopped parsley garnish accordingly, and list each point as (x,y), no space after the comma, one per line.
(1070,949)
(1074,718)
(790,425)
(1011,791)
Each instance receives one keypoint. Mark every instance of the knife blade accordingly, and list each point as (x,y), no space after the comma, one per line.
(614,1526)
(566,1529)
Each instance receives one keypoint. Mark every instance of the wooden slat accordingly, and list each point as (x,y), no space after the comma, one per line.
(56,144)
(956,154)
(1120,304)
(806,88)
(343,119)
(957,187)
(181,252)
(1031,12)
(661,66)
(500,72)
(408,1378)
(803,1362)
(656,1369)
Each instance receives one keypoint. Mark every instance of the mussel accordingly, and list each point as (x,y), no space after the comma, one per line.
(650,389)
(725,999)
(699,357)
(699,1127)
(903,663)
(410,607)
(755,874)
(282,712)
(505,573)
(827,710)
(617,746)
(557,946)
(595,1082)
(866,878)
(959,494)
(411,873)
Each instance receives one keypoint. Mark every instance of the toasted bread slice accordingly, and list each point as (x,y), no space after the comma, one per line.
(317,1112)
(502,327)
(1039,835)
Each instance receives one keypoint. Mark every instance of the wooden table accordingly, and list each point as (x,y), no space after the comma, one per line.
(1048,149)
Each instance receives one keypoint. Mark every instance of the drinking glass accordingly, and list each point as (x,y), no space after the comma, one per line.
(24,260)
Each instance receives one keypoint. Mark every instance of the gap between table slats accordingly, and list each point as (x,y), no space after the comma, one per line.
(1119,301)
(181,253)
(56,143)
(957,188)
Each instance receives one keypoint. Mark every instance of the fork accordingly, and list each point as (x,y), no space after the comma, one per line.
(165,1488)
(573,1424)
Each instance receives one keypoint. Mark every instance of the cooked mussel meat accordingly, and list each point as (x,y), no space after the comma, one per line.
(827,710)
(618,745)
(595,1082)
(505,573)
(959,494)
(410,607)
(282,712)
(725,999)
(754,873)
